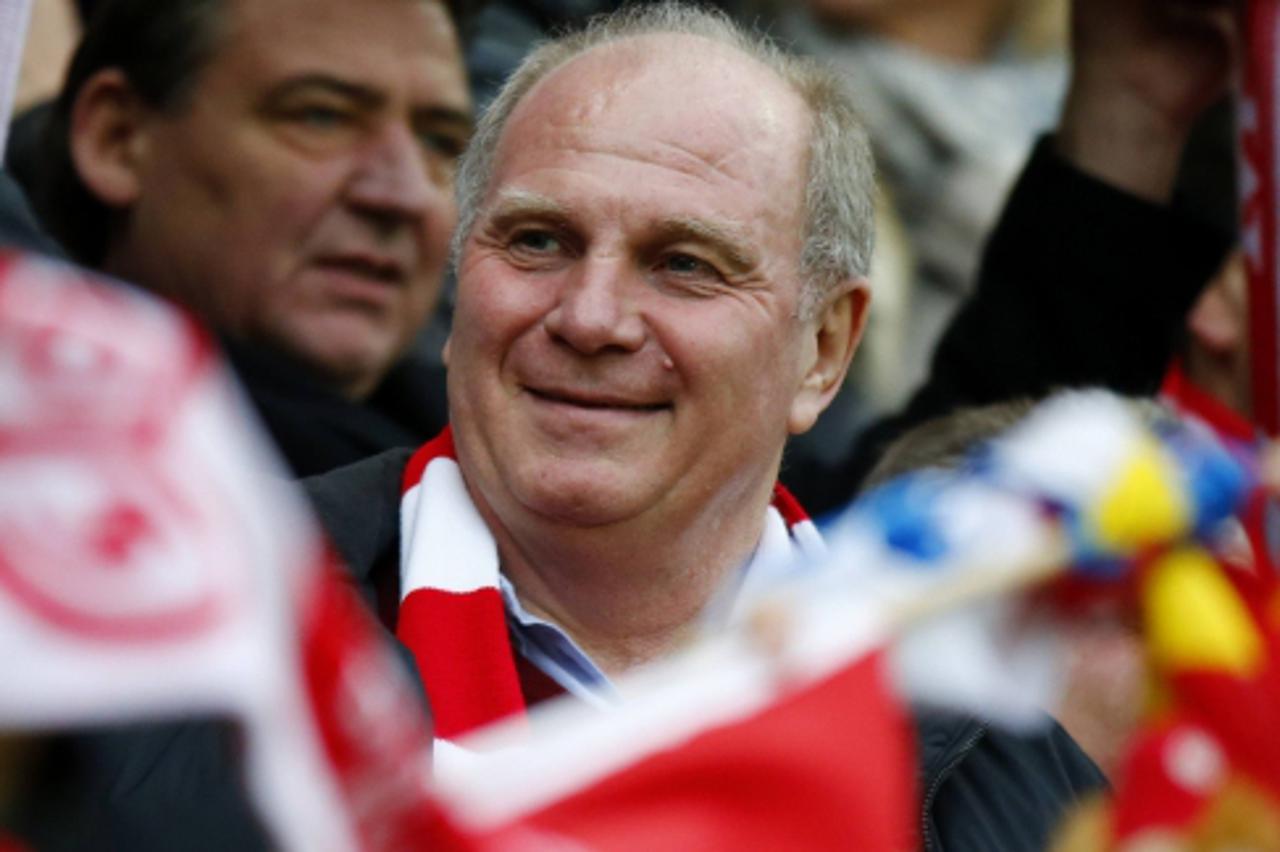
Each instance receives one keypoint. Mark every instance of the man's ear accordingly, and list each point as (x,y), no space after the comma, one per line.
(836,334)
(444,353)
(108,137)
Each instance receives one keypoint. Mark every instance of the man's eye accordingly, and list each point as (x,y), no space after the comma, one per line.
(536,242)
(320,117)
(686,265)
(448,144)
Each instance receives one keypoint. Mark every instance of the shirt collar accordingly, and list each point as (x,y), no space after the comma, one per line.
(548,647)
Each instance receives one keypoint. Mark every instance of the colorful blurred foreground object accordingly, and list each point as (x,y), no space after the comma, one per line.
(739,760)
(1204,771)
(1151,515)
(1147,509)
(154,564)
(1072,497)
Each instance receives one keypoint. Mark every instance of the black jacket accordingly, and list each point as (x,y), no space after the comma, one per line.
(984,788)
(316,429)
(18,226)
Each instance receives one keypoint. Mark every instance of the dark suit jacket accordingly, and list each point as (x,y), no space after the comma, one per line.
(18,226)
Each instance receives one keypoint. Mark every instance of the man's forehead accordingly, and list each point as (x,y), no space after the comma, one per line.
(695,141)
(412,40)
(654,67)
(695,96)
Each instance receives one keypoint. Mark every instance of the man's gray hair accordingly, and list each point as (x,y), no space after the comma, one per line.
(839,207)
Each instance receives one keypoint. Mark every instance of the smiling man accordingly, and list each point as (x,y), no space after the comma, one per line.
(285,169)
(637,332)
(664,230)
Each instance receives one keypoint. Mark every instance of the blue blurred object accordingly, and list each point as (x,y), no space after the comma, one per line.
(904,509)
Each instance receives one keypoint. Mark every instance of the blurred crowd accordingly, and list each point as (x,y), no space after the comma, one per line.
(568,315)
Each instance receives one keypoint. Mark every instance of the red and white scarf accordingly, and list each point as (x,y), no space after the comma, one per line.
(452,615)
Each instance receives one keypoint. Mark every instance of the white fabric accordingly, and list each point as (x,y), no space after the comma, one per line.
(444,543)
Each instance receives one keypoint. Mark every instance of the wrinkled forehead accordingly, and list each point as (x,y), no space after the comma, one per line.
(698,96)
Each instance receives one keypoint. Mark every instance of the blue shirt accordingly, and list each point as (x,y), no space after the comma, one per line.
(547,646)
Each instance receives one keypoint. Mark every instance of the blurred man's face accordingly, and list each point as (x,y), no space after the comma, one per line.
(303,199)
(626,343)
(1217,357)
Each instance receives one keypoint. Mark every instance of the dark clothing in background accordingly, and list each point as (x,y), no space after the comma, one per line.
(1081,284)
(172,786)
(984,789)
(500,33)
(25,153)
(317,429)
(18,226)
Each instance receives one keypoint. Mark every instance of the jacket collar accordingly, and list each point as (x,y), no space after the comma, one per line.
(359,507)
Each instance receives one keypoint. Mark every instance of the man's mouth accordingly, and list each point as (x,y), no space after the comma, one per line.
(372,267)
(595,400)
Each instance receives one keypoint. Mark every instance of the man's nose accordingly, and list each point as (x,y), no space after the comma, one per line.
(596,309)
(396,180)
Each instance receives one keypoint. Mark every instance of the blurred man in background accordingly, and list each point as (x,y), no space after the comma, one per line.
(284,169)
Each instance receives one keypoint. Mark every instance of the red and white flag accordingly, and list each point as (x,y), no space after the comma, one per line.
(155,563)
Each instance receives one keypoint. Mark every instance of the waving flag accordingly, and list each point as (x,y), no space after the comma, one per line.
(155,564)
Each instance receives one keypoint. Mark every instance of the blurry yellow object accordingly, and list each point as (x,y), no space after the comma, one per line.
(1242,817)
(1194,618)
(1159,700)
(1085,828)
(1145,506)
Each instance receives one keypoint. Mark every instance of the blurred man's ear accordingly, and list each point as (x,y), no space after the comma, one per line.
(836,334)
(109,137)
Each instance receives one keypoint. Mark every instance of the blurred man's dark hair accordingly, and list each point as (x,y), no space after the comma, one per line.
(944,442)
(161,48)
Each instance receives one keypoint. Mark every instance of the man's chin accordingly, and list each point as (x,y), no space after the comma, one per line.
(584,499)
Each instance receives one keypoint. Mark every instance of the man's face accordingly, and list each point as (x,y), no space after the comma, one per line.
(626,341)
(303,198)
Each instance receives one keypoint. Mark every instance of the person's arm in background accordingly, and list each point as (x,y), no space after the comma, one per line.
(1090,272)
(1144,72)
